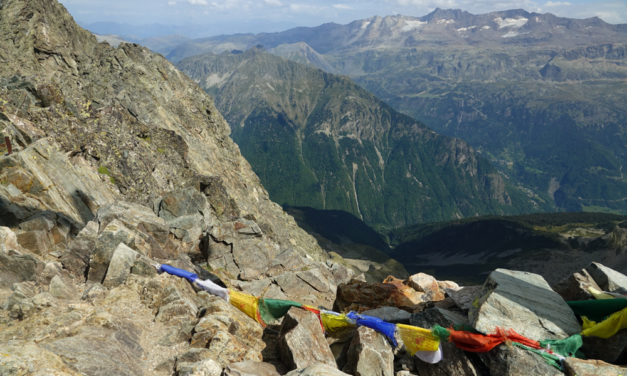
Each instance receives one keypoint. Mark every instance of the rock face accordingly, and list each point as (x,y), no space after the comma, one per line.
(302,341)
(369,354)
(525,302)
(120,161)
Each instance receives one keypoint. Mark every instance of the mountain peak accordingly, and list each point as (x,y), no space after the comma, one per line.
(440,14)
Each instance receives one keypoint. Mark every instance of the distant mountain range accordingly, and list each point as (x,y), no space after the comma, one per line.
(318,140)
(540,96)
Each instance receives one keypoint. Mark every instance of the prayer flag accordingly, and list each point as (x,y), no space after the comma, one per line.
(417,339)
(246,303)
(273,309)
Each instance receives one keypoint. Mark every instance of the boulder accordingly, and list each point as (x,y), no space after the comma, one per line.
(610,350)
(608,279)
(108,240)
(36,241)
(507,360)
(228,334)
(18,267)
(61,289)
(465,296)
(524,302)
(120,266)
(250,368)
(360,296)
(390,314)
(302,341)
(8,240)
(591,367)
(369,354)
(206,367)
(576,285)
(427,284)
(456,361)
(317,370)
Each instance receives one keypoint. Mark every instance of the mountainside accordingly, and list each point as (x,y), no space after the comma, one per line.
(525,89)
(114,162)
(550,244)
(319,140)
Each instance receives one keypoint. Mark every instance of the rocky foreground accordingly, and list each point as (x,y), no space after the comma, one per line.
(115,161)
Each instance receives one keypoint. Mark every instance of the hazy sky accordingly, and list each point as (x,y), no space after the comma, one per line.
(229,16)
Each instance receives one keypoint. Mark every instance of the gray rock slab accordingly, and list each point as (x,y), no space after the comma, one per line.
(390,314)
(506,360)
(120,266)
(302,342)
(524,302)
(369,354)
(101,351)
(464,297)
(608,279)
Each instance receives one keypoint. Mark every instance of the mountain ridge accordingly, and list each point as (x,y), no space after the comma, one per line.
(359,154)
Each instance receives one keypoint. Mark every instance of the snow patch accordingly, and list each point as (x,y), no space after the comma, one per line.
(511,22)
(486,27)
(365,24)
(462,29)
(215,79)
(412,25)
(510,34)
(447,21)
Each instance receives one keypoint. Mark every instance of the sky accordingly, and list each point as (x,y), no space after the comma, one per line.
(212,17)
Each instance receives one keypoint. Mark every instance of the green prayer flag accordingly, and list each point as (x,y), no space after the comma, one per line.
(274,309)
(597,309)
(566,347)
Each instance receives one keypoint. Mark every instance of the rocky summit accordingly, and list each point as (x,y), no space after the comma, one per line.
(115,165)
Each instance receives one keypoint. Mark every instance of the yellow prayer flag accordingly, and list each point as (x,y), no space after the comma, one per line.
(335,324)
(606,328)
(246,303)
(417,339)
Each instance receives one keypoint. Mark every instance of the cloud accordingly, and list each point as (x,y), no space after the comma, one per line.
(304,8)
(557,4)
(276,3)
(198,2)
(171,3)
(341,6)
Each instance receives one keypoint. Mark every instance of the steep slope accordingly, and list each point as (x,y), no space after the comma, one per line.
(318,140)
(117,162)
(125,110)
(525,89)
